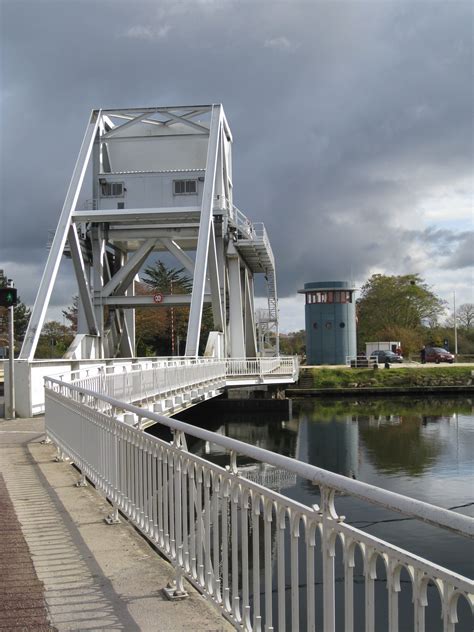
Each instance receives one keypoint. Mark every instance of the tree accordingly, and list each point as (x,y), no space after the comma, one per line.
(163,331)
(170,281)
(464,316)
(21,316)
(70,313)
(397,308)
(167,280)
(54,340)
(293,343)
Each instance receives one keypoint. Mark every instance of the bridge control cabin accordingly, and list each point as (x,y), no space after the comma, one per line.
(161,182)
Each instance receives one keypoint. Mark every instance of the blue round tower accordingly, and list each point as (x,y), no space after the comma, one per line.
(330,322)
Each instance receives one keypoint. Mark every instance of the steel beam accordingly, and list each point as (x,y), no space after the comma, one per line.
(172,300)
(98,255)
(236,325)
(249,323)
(196,126)
(195,315)
(116,130)
(124,277)
(137,214)
(82,280)
(217,308)
(176,250)
(54,258)
(125,233)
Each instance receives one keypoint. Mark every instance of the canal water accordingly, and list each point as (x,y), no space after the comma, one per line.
(422,448)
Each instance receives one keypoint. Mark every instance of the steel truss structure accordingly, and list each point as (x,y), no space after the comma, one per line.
(161,182)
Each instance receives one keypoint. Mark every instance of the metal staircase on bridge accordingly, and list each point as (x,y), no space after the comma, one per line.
(254,246)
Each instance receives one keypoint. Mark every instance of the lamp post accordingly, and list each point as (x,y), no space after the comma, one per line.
(11,302)
(455,325)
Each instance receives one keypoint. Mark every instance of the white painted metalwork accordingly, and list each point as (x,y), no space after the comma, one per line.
(169,385)
(135,208)
(356,361)
(30,375)
(245,546)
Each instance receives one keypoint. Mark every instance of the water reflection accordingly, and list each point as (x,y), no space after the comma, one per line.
(420,448)
(423,448)
(399,445)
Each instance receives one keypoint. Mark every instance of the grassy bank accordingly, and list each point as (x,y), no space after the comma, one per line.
(315,378)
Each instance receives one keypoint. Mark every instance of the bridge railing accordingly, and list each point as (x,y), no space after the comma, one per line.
(135,381)
(263,367)
(252,551)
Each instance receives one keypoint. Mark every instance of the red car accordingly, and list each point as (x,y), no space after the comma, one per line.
(437,355)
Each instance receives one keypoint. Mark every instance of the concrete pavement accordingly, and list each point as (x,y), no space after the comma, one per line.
(94,576)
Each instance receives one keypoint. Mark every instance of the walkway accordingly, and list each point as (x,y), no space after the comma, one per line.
(81,577)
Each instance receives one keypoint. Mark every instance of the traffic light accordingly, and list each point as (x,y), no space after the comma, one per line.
(8,297)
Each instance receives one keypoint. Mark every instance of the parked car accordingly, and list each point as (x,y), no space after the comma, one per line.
(383,356)
(438,354)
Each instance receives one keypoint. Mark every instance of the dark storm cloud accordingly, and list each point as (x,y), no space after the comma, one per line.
(345,115)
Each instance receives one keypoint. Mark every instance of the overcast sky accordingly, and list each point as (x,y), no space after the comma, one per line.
(352,123)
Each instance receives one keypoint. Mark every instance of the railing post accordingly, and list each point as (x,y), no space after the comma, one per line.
(281,526)
(393,588)
(370,575)
(328,515)
(294,554)
(267,539)
(420,600)
(349,564)
(113,518)
(257,618)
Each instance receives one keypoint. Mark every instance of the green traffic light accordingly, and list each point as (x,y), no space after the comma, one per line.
(8,297)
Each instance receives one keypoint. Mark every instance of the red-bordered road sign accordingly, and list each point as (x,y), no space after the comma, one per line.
(158,298)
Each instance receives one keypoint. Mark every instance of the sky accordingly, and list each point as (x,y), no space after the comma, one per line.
(352,123)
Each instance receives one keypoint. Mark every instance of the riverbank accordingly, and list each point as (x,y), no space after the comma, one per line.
(318,381)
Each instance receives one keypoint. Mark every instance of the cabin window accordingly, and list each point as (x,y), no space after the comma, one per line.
(112,189)
(329,297)
(184,187)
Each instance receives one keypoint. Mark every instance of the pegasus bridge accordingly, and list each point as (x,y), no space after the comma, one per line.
(162,183)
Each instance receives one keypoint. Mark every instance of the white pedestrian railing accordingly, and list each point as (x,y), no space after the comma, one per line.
(361,362)
(149,379)
(265,368)
(255,553)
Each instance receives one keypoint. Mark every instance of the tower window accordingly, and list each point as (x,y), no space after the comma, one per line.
(329,297)
(184,187)
(112,189)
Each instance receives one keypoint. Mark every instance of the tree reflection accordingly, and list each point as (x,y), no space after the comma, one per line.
(401,446)
(395,443)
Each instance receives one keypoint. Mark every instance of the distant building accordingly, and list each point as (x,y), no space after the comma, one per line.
(330,322)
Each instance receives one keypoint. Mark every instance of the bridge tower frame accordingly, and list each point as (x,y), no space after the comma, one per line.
(158,153)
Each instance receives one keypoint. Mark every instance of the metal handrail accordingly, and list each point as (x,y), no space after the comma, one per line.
(436,516)
(280,365)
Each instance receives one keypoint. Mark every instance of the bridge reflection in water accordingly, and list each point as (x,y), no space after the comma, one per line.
(267,559)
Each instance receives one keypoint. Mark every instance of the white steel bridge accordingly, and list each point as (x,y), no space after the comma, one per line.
(255,553)
(162,183)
